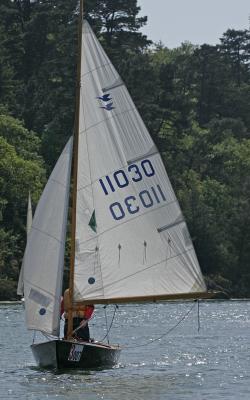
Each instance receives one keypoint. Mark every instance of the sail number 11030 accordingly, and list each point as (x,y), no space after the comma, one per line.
(147,198)
(120,179)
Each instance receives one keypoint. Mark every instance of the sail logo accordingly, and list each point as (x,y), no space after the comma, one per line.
(75,353)
(152,196)
(106,101)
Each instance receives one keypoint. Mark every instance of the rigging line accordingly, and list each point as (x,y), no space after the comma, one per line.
(106,319)
(166,333)
(198,315)
(108,330)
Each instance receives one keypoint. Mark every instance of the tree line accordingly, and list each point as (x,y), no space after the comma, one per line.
(193,99)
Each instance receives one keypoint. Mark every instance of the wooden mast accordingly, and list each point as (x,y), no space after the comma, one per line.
(75,170)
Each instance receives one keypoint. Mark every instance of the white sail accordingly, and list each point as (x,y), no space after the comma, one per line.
(131,237)
(20,286)
(44,254)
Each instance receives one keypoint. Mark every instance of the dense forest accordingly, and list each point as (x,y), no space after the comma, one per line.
(194,100)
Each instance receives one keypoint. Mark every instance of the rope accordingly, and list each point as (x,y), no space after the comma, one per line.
(198,315)
(143,344)
(164,334)
(106,319)
(108,330)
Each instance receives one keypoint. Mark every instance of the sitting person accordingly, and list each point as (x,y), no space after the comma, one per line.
(81,316)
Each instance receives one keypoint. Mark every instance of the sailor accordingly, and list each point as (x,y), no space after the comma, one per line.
(81,316)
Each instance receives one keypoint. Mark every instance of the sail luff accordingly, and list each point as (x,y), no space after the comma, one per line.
(20,287)
(75,174)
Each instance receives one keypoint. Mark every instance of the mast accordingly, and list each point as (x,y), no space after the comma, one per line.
(75,171)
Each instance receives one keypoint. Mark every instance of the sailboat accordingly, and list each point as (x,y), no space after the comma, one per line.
(129,239)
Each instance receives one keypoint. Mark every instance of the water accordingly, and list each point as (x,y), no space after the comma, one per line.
(212,364)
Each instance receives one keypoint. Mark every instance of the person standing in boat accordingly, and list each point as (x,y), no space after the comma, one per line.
(81,316)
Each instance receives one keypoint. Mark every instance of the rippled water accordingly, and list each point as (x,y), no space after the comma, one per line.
(212,364)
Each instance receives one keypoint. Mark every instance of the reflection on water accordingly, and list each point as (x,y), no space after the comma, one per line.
(185,364)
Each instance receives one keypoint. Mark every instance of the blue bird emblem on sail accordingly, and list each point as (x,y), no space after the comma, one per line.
(108,104)
(106,97)
(108,107)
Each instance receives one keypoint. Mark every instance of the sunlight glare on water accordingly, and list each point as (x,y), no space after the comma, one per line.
(212,364)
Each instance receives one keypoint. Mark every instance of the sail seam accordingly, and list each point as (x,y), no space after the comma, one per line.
(113,116)
(149,267)
(153,265)
(59,183)
(47,234)
(132,219)
(95,69)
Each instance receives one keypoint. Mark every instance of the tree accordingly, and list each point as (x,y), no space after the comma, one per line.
(236,45)
(21,171)
(11,52)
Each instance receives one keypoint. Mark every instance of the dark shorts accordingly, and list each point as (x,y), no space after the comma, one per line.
(82,333)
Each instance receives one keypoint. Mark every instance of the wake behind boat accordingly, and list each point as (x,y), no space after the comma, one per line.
(129,239)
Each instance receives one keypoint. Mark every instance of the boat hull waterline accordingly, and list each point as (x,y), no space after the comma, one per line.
(66,354)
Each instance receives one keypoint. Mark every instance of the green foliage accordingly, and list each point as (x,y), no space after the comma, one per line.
(210,170)
(236,46)
(21,171)
(7,290)
(26,143)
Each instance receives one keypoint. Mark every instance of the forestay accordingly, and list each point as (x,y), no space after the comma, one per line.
(44,254)
(131,237)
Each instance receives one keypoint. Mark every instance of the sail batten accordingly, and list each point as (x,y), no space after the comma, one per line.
(113,116)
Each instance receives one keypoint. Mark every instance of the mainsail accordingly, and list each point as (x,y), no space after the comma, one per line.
(44,254)
(131,238)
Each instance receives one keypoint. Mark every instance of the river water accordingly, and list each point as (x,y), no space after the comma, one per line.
(164,355)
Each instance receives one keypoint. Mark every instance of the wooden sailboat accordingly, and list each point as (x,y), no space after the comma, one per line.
(129,240)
